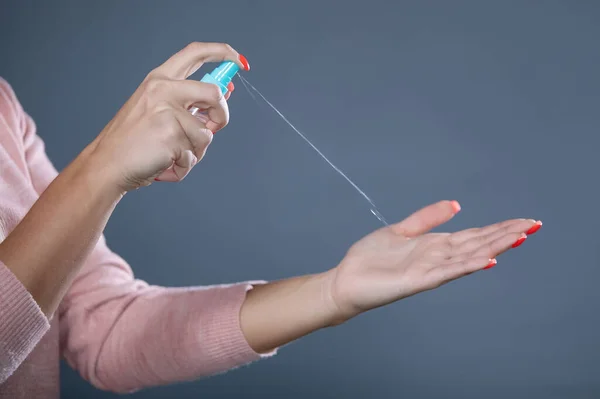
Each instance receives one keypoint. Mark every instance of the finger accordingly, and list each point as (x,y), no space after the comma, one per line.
(192,92)
(501,245)
(205,96)
(197,133)
(184,164)
(180,169)
(455,270)
(188,60)
(167,175)
(200,114)
(230,89)
(476,241)
(427,218)
(184,158)
(494,248)
(191,142)
(460,237)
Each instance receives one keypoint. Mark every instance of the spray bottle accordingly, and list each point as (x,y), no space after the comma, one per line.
(220,76)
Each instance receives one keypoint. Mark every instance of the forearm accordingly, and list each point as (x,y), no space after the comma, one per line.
(277,313)
(49,245)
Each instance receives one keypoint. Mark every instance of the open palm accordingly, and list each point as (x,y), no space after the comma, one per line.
(401,260)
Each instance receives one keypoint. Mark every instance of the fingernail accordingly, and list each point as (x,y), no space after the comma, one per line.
(230,87)
(491,264)
(534,228)
(156,179)
(244,62)
(519,241)
(455,206)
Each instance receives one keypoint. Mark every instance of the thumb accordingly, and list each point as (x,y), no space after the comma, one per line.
(426,218)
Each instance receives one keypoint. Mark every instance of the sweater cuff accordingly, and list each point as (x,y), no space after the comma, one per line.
(22,322)
(227,345)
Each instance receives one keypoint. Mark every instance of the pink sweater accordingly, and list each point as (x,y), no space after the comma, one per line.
(119,333)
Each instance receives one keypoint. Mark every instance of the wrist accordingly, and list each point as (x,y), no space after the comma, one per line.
(95,172)
(335,313)
(277,313)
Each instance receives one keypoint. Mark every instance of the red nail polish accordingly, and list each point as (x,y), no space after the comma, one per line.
(156,179)
(491,264)
(244,62)
(455,206)
(534,228)
(230,87)
(519,241)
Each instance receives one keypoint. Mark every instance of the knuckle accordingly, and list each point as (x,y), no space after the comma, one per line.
(194,46)
(225,120)
(226,47)
(153,74)
(155,87)
(202,143)
(205,137)
(213,93)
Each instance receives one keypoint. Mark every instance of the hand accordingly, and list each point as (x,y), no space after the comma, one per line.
(401,260)
(154,136)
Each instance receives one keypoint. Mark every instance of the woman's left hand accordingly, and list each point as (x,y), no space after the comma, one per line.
(402,260)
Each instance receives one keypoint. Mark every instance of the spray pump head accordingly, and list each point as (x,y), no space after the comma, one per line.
(222,75)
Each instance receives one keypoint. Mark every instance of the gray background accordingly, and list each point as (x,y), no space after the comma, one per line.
(491,103)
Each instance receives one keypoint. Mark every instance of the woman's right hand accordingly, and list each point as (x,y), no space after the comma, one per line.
(154,136)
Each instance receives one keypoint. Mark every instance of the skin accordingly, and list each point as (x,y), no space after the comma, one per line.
(154,137)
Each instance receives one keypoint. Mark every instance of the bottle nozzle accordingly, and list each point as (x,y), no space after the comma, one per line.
(222,75)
